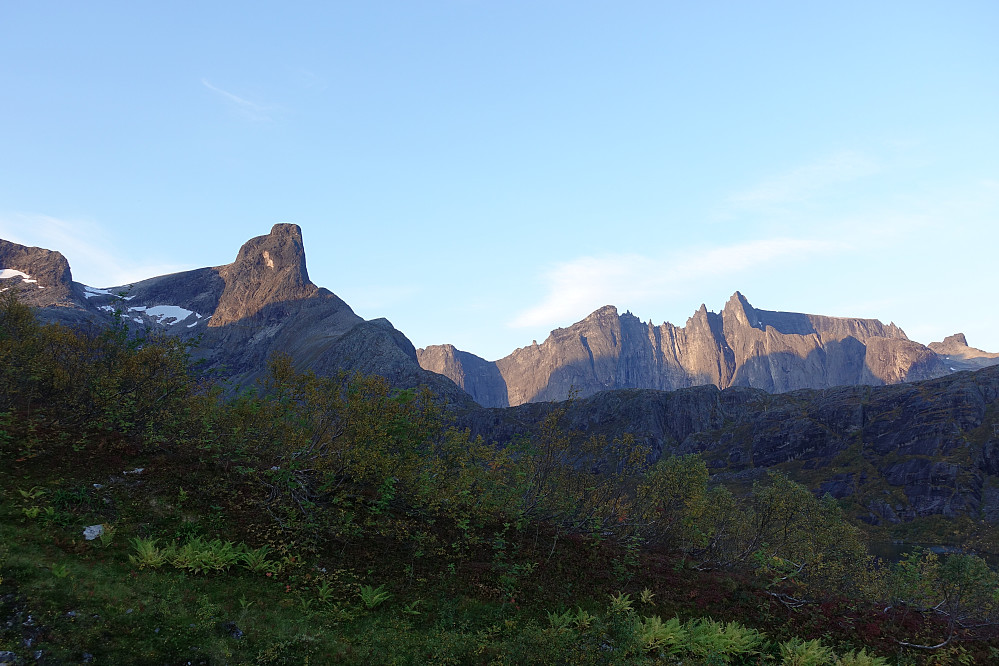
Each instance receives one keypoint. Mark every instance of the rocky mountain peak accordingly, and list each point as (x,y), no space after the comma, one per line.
(42,276)
(959,355)
(739,346)
(268,269)
(604,313)
(739,308)
(957,338)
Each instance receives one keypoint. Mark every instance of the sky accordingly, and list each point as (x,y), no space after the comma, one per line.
(481,172)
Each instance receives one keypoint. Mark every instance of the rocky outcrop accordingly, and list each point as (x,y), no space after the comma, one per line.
(740,346)
(41,276)
(268,269)
(466,370)
(957,355)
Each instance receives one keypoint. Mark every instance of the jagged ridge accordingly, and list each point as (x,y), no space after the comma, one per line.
(740,346)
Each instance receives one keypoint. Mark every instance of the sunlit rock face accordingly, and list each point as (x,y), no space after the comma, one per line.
(958,355)
(739,346)
(41,277)
(268,269)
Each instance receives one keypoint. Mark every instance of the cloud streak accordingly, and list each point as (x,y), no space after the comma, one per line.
(577,287)
(85,245)
(804,182)
(244,107)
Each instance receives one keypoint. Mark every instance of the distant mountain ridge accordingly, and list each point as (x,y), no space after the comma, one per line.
(264,302)
(739,346)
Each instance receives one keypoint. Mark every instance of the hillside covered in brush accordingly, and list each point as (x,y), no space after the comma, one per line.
(154,516)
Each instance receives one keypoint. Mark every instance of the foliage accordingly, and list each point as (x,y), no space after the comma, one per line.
(961,588)
(666,639)
(804,544)
(798,652)
(725,641)
(373,596)
(673,498)
(554,548)
(90,386)
(148,554)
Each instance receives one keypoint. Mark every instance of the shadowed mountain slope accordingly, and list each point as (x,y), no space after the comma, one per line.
(893,453)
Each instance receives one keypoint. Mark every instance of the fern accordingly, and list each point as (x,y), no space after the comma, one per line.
(860,659)
(148,554)
(666,638)
(373,596)
(796,652)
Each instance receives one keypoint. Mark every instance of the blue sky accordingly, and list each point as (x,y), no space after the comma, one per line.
(482,172)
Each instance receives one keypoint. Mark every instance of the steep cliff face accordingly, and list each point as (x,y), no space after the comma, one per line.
(268,269)
(467,370)
(740,346)
(42,277)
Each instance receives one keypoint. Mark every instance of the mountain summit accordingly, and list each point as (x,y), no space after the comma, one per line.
(268,269)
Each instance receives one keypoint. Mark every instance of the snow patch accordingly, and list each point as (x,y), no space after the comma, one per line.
(90,292)
(165,314)
(8,273)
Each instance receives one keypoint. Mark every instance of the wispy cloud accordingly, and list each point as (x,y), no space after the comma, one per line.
(805,181)
(87,247)
(576,288)
(249,110)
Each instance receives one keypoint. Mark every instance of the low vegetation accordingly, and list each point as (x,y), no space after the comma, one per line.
(336,520)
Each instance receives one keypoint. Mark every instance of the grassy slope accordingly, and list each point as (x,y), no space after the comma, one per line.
(483,598)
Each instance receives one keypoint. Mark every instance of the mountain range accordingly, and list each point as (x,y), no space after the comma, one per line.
(897,429)
(264,301)
(739,346)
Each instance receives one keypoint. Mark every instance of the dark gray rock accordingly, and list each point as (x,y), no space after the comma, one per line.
(268,269)
(50,282)
(933,445)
